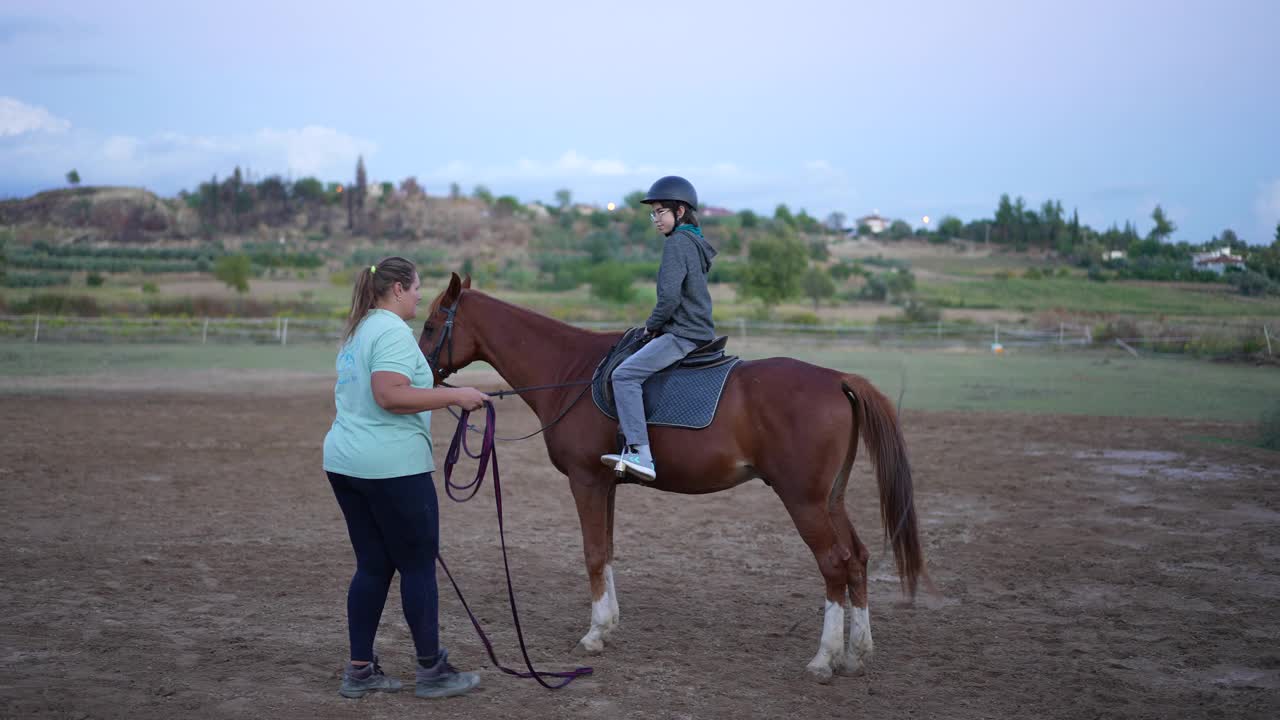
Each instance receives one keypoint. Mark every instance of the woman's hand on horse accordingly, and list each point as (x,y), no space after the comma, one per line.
(469,398)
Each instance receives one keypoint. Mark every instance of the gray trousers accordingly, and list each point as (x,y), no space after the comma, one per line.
(657,354)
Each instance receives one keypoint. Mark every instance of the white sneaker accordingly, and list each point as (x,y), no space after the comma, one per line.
(632,462)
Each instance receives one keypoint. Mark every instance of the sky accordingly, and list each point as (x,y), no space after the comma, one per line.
(929,107)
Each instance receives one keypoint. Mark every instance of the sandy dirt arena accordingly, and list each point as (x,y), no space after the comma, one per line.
(173,550)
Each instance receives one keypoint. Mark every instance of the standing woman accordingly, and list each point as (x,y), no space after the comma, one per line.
(378,458)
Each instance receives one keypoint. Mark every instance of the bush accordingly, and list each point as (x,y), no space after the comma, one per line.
(150,288)
(1003,275)
(918,312)
(1253,283)
(36,280)
(801,318)
(95,280)
(726,272)
(612,282)
(1032,274)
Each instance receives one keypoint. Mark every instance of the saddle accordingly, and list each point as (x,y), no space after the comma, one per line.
(684,395)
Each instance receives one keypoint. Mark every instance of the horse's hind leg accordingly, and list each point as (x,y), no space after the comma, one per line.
(818,531)
(859,644)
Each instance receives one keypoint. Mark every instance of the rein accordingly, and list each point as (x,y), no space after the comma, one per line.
(489,452)
(516,391)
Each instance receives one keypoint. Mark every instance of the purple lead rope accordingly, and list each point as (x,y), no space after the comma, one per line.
(487,452)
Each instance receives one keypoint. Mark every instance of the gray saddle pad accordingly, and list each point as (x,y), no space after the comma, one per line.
(683,395)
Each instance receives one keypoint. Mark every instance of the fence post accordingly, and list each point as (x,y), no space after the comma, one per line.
(742,330)
(284,332)
(1060,333)
(36,339)
(1267,335)
(939,328)
(204,333)
(997,340)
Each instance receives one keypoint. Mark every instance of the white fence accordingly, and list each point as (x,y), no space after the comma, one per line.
(287,331)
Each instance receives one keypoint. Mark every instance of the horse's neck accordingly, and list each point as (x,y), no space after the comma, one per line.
(529,349)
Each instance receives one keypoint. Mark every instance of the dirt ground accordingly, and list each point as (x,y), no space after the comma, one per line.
(176,552)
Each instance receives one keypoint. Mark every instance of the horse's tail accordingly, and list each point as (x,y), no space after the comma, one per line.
(883,437)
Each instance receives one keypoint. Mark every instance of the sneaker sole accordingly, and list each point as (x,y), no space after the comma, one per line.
(447,693)
(357,694)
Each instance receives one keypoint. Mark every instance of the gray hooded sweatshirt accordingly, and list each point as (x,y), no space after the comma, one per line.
(684,303)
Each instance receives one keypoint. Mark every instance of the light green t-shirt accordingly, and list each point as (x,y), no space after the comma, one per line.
(365,440)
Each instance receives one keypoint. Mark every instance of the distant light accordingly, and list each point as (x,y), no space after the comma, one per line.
(339,188)
(611,207)
(926,219)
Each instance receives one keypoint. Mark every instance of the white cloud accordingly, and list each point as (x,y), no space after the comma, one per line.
(18,118)
(169,161)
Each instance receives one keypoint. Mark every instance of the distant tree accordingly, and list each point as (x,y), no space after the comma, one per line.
(410,187)
(73,178)
(4,257)
(819,251)
(818,285)
(362,183)
(749,220)
(633,199)
(951,227)
(308,189)
(564,198)
(1277,240)
(806,222)
(864,230)
(273,191)
(1230,239)
(1164,227)
(233,189)
(234,270)
(1005,220)
(899,229)
(483,194)
(774,268)
(782,214)
(835,222)
(506,206)
(455,191)
(388,189)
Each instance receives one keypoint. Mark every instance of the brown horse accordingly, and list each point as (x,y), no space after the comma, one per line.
(791,424)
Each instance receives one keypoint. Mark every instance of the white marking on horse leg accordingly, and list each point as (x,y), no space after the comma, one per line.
(831,647)
(612,593)
(604,616)
(860,644)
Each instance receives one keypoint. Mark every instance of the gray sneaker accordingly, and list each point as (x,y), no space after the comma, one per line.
(360,681)
(443,680)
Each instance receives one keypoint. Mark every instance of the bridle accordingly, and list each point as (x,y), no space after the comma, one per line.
(445,339)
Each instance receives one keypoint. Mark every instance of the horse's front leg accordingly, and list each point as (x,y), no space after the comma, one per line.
(594,497)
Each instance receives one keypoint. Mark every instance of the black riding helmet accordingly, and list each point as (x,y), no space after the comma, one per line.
(672,187)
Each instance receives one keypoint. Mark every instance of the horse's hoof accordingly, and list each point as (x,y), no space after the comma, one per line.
(821,673)
(852,666)
(591,646)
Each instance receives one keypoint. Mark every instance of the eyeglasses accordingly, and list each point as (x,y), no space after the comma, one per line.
(658,213)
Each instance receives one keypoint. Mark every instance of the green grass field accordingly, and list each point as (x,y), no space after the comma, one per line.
(1071,382)
(1080,295)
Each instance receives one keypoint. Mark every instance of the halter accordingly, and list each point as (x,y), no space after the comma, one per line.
(433,357)
(446,337)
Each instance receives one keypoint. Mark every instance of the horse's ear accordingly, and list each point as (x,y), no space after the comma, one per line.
(455,287)
(466,281)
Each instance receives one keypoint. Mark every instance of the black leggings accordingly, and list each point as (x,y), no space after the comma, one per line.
(394,525)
